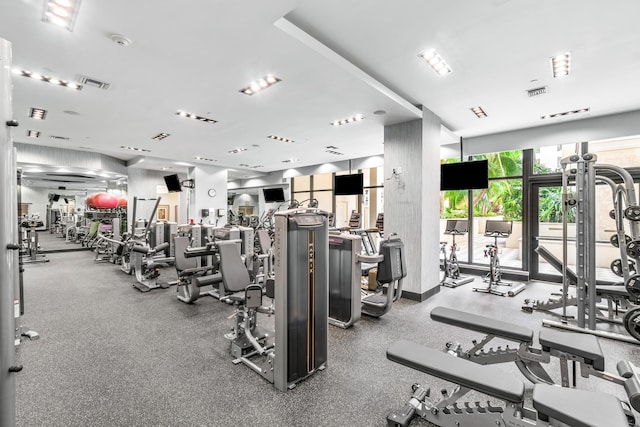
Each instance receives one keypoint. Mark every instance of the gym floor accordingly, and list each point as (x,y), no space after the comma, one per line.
(109,355)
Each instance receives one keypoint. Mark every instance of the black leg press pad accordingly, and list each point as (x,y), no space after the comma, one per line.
(582,345)
(485,379)
(579,408)
(485,325)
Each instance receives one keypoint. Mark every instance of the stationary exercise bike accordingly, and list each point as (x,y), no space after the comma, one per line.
(497,229)
(452,277)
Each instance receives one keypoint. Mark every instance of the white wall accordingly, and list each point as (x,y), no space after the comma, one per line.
(144,184)
(38,199)
(208,177)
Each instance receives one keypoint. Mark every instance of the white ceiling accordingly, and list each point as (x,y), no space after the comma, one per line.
(336,59)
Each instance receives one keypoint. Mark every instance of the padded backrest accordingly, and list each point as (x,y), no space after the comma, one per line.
(235,276)
(264,240)
(181,243)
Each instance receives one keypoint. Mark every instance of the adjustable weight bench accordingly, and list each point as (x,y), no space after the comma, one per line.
(551,404)
(582,349)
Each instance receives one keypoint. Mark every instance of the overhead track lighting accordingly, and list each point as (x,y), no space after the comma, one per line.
(47,79)
(561,65)
(353,119)
(260,85)
(205,159)
(237,150)
(479,112)
(436,62)
(290,161)
(62,13)
(196,117)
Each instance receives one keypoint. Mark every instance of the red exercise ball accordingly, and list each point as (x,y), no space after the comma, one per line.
(123,202)
(108,201)
(91,200)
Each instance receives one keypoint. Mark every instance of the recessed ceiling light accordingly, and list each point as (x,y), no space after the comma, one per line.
(279,138)
(161,136)
(164,168)
(260,85)
(38,113)
(244,165)
(561,64)
(436,62)
(134,149)
(353,119)
(47,79)
(205,159)
(237,150)
(566,113)
(196,117)
(290,161)
(33,133)
(62,13)
(479,112)
(337,153)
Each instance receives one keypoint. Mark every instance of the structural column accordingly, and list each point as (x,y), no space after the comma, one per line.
(412,199)
(9,309)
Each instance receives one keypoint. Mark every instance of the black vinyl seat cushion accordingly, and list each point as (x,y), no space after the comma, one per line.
(482,324)
(485,379)
(583,345)
(578,408)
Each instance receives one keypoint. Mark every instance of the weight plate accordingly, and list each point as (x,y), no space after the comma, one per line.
(633,286)
(616,267)
(612,214)
(631,322)
(615,241)
(633,249)
(632,213)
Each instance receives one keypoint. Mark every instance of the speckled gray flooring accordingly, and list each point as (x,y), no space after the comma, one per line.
(110,355)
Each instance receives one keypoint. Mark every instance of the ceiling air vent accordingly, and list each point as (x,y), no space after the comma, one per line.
(88,81)
(537,91)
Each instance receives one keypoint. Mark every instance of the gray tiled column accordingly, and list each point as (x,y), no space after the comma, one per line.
(411,198)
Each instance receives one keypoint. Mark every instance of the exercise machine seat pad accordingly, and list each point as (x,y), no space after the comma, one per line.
(485,379)
(579,408)
(482,324)
(210,279)
(583,345)
(616,290)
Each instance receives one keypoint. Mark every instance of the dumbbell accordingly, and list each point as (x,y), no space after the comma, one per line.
(632,213)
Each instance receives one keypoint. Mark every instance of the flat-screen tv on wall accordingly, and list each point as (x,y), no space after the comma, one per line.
(464,175)
(347,185)
(173,183)
(273,195)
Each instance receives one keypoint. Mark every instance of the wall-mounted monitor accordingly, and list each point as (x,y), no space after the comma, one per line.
(173,183)
(273,195)
(464,175)
(347,185)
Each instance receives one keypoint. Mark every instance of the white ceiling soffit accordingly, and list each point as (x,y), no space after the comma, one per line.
(335,59)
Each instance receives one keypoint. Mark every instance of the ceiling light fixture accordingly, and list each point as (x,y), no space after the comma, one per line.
(260,85)
(161,136)
(566,113)
(237,150)
(256,166)
(196,117)
(47,79)
(205,159)
(353,119)
(134,149)
(479,112)
(335,152)
(436,62)
(62,138)
(561,64)
(290,161)
(38,113)
(33,133)
(279,138)
(62,13)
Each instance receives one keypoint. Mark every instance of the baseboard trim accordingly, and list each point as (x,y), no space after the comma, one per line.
(413,296)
